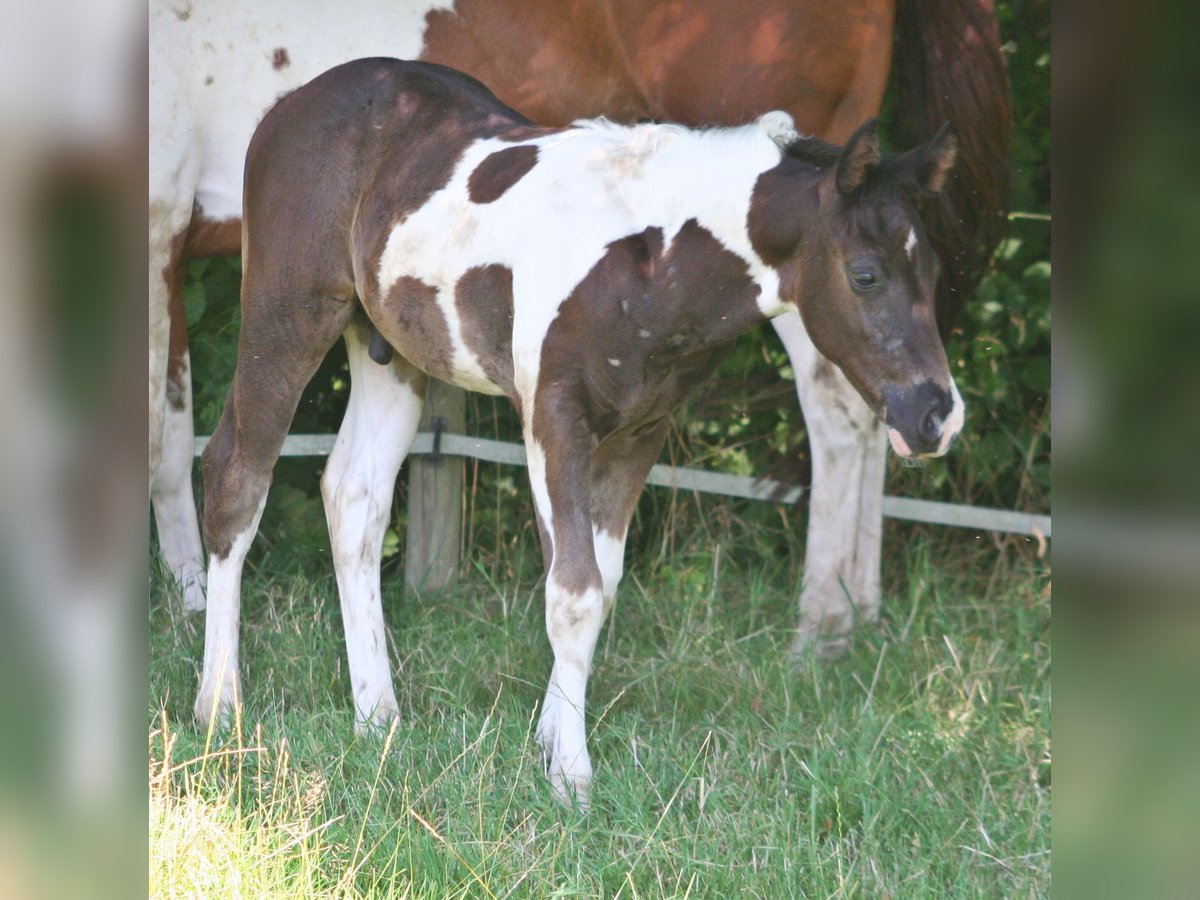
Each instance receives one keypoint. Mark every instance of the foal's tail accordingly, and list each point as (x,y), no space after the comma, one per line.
(949,68)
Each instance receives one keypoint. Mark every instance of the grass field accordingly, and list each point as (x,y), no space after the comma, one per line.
(916,766)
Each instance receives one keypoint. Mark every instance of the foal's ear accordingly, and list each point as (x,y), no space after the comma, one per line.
(859,156)
(930,164)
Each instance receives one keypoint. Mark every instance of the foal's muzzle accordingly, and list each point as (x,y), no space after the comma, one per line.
(923,419)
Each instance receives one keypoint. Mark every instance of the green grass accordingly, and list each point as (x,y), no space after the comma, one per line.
(916,766)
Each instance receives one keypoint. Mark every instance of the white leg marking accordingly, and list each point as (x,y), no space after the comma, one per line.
(869,543)
(846,439)
(358,484)
(536,458)
(174,501)
(572,624)
(220,685)
(610,557)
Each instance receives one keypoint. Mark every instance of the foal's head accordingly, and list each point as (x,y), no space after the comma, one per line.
(862,272)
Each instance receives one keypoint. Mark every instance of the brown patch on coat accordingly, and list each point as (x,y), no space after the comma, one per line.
(211,237)
(824,372)
(500,171)
(280,59)
(665,316)
(642,331)
(173,274)
(484,298)
(414,325)
(522,52)
(620,464)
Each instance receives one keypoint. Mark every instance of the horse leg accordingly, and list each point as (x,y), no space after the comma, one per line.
(845,520)
(558,474)
(171,492)
(620,465)
(357,486)
(170,416)
(284,337)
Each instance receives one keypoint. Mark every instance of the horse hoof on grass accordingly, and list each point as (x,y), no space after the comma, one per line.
(818,645)
(380,723)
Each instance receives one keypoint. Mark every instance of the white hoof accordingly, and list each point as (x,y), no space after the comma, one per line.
(569,769)
(814,641)
(216,705)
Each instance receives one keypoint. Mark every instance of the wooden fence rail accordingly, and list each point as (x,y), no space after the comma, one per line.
(951,514)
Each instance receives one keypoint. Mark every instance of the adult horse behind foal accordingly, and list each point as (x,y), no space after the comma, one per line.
(217,66)
(593,274)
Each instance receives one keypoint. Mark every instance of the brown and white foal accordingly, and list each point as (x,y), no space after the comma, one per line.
(595,275)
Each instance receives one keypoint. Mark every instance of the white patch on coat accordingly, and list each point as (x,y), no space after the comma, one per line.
(554,224)
(610,558)
(230,82)
(910,242)
(535,457)
(779,127)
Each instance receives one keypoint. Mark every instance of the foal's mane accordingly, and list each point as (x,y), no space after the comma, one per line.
(813,151)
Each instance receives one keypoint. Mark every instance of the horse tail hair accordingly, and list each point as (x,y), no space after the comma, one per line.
(949,68)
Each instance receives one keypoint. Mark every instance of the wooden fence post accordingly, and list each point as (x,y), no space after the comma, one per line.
(435,496)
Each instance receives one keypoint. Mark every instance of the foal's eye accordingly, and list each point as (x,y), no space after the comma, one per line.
(864,275)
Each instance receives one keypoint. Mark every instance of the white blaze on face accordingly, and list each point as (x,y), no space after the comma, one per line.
(911,243)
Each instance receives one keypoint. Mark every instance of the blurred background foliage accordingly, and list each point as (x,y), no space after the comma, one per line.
(746,421)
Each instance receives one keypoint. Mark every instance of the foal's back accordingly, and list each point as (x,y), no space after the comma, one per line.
(384,127)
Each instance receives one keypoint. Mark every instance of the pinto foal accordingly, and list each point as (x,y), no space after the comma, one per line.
(594,275)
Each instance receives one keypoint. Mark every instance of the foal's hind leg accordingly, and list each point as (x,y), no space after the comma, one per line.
(283,339)
(845,520)
(359,481)
(620,466)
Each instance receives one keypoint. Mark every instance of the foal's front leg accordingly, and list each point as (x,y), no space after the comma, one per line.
(574,603)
